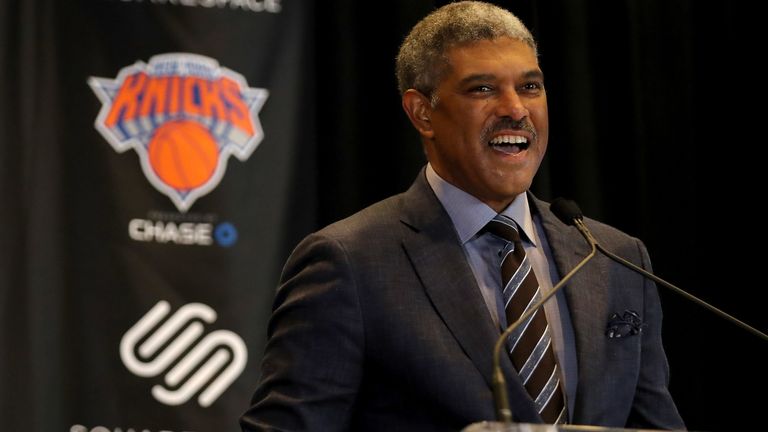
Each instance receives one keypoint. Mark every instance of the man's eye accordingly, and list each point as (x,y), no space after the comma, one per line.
(533,86)
(481,89)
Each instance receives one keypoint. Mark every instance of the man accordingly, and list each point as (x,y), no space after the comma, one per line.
(387,320)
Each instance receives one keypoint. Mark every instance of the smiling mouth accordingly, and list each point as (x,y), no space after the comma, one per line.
(509,144)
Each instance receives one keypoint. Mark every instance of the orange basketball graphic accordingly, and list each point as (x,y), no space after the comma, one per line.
(183,154)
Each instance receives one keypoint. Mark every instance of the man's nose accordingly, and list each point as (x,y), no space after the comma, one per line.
(510,105)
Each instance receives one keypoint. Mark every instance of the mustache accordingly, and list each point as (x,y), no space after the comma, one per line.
(507,123)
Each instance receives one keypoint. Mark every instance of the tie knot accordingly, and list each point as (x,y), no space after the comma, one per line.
(504,227)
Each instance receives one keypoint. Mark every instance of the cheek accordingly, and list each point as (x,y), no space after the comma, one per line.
(540,117)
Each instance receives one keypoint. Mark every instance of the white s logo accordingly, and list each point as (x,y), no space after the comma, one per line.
(178,376)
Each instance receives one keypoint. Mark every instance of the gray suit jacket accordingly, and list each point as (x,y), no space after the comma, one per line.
(378,324)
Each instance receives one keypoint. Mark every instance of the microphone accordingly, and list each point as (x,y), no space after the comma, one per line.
(570,214)
(500,395)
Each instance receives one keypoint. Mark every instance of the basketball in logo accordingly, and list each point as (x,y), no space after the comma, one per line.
(183,154)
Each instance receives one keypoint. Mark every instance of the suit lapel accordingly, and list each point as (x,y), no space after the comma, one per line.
(433,248)
(586,293)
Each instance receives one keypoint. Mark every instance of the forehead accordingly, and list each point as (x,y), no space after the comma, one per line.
(491,56)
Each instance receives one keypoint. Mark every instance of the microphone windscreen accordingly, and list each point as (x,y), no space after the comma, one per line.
(566,210)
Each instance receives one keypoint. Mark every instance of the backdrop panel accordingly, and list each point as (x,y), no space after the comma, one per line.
(158,156)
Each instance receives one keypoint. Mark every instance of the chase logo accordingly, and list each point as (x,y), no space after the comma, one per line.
(184,115)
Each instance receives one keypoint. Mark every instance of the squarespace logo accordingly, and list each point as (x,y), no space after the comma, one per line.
(177,348)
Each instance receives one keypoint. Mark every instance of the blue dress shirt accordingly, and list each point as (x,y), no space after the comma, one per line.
(469,216)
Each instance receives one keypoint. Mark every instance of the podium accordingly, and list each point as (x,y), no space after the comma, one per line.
(487,426)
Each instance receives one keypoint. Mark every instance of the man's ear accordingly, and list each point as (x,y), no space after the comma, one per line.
(419,110)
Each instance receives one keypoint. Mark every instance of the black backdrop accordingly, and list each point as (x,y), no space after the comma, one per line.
(648,133)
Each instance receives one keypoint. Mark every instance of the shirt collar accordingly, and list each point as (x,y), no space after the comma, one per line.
(469,215)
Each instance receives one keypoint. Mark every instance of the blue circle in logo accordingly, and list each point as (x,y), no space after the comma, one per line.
(225,234)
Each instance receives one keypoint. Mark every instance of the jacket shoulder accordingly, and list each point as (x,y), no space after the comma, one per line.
(607,235)
(371,223)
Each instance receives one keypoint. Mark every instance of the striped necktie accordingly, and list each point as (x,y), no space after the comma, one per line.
(530,346)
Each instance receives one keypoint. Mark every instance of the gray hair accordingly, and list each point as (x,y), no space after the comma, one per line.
(421,61)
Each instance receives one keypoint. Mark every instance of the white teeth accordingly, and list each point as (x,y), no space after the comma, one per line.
(509,139)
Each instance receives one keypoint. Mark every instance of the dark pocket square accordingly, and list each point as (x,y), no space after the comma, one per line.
(628,324)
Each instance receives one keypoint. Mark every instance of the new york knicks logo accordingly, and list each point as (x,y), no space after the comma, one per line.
(184,115)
